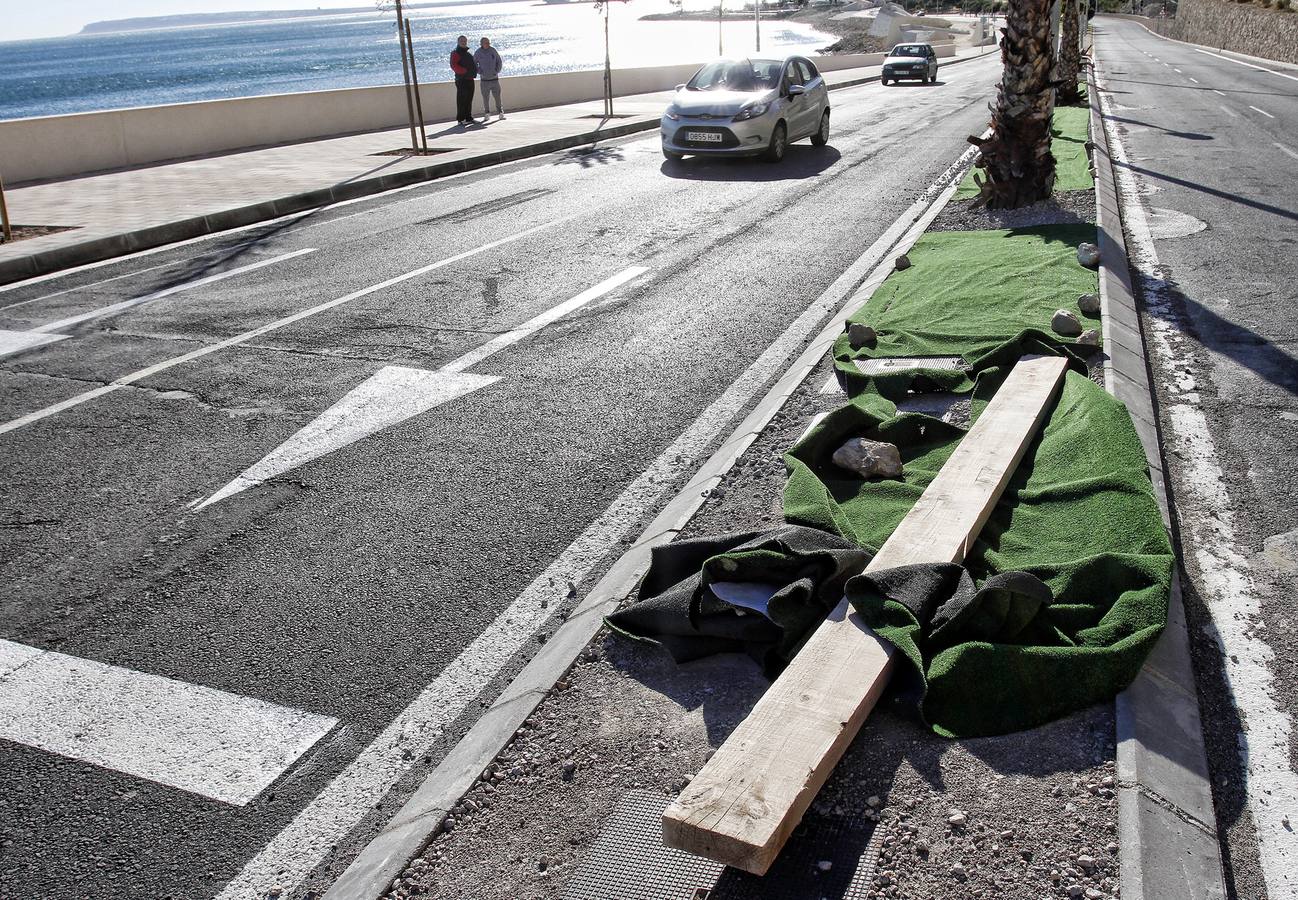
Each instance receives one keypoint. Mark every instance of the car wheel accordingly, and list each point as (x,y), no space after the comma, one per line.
(673,156)
(779,143)
(821,137)
(883,81)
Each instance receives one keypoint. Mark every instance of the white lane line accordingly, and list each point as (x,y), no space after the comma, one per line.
(309,839)
(1215,91)
(80,287)
(1228,111)
(1220,560)
(1177,71)
(208,742)
(1286,150)
(18,341)
(496,344)
(1240,62)
(1192,78)
(1262,111)
(131,378)
(109,310)
(397,393)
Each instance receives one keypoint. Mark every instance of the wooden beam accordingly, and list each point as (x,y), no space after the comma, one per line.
(744,803)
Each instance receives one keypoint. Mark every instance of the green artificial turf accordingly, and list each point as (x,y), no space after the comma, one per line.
(1079,513)
(968,293)
(1072,169)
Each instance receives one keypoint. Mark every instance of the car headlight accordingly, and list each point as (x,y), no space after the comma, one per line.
(673,113)
(752,111)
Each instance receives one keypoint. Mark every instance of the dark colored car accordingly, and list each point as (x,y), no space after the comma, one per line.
(913,61)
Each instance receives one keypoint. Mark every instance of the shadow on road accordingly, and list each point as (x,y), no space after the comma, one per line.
(587,157)
(1190,87)
(1188,135)
(1203,188)
(799,162)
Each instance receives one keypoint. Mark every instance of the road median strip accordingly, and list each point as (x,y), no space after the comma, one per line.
(1138,605)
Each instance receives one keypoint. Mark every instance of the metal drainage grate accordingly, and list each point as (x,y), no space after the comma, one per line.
(897,363)
(629,862)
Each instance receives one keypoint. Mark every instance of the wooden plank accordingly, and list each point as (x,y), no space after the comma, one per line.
(744,803)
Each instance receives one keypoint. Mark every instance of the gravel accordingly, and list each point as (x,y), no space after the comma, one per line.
(1066,207)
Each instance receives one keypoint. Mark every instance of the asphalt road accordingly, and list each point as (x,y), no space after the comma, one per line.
(1212,150)
(339,586)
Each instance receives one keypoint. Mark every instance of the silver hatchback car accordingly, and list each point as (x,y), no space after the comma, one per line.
(747,107)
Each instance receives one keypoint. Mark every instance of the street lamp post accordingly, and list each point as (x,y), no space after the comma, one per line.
(720,6)
(757,22)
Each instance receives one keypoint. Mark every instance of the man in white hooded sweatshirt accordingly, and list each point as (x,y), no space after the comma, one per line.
(489,66)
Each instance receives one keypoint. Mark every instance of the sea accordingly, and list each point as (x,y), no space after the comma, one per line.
(97,71)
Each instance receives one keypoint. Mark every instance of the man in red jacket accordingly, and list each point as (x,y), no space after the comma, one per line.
(465,70)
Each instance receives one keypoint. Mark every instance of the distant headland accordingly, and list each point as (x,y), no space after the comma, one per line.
(184,20)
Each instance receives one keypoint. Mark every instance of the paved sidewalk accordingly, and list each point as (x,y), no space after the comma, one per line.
(114,213)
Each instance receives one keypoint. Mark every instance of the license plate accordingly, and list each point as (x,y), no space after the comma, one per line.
(710,137)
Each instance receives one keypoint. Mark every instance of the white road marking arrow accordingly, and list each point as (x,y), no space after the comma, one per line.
(392,395)
(396,393)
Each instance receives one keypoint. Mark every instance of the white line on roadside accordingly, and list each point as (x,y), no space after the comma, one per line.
(1192,78)
(396,393)
(198,739)
(79,287)
(246,336)
(1240,62)
(100,313)
(1286,150)
(1177,71)
(1228,111)
(1262,111)
(1215,91)
(307,841)
(1221,562)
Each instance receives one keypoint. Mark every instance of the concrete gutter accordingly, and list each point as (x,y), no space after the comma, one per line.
(127,242)
(1167,826)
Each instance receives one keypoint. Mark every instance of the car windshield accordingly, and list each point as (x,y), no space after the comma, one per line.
(737,75)
(908,50)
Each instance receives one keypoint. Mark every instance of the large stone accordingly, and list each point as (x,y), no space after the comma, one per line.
(1088,255)
(869,458)
(1065,323)
(1089,338)
(1089,304)
(903,262)
(861,335)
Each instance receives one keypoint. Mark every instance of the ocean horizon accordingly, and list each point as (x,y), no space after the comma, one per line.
(112,70)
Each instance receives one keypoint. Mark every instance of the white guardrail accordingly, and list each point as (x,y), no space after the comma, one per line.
(45,147)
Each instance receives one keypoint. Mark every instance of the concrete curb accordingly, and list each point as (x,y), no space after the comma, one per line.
(1167,829)
(407,834)
(197,226)
(186,229)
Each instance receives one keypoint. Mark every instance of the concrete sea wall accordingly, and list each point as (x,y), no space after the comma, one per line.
(48,147)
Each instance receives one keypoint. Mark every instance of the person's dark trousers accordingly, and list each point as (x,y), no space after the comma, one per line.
(464,99)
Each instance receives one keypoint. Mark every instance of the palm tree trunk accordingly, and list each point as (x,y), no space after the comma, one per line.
(1016,159)
(1070,55)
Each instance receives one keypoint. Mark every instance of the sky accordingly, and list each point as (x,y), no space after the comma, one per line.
(22,19)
